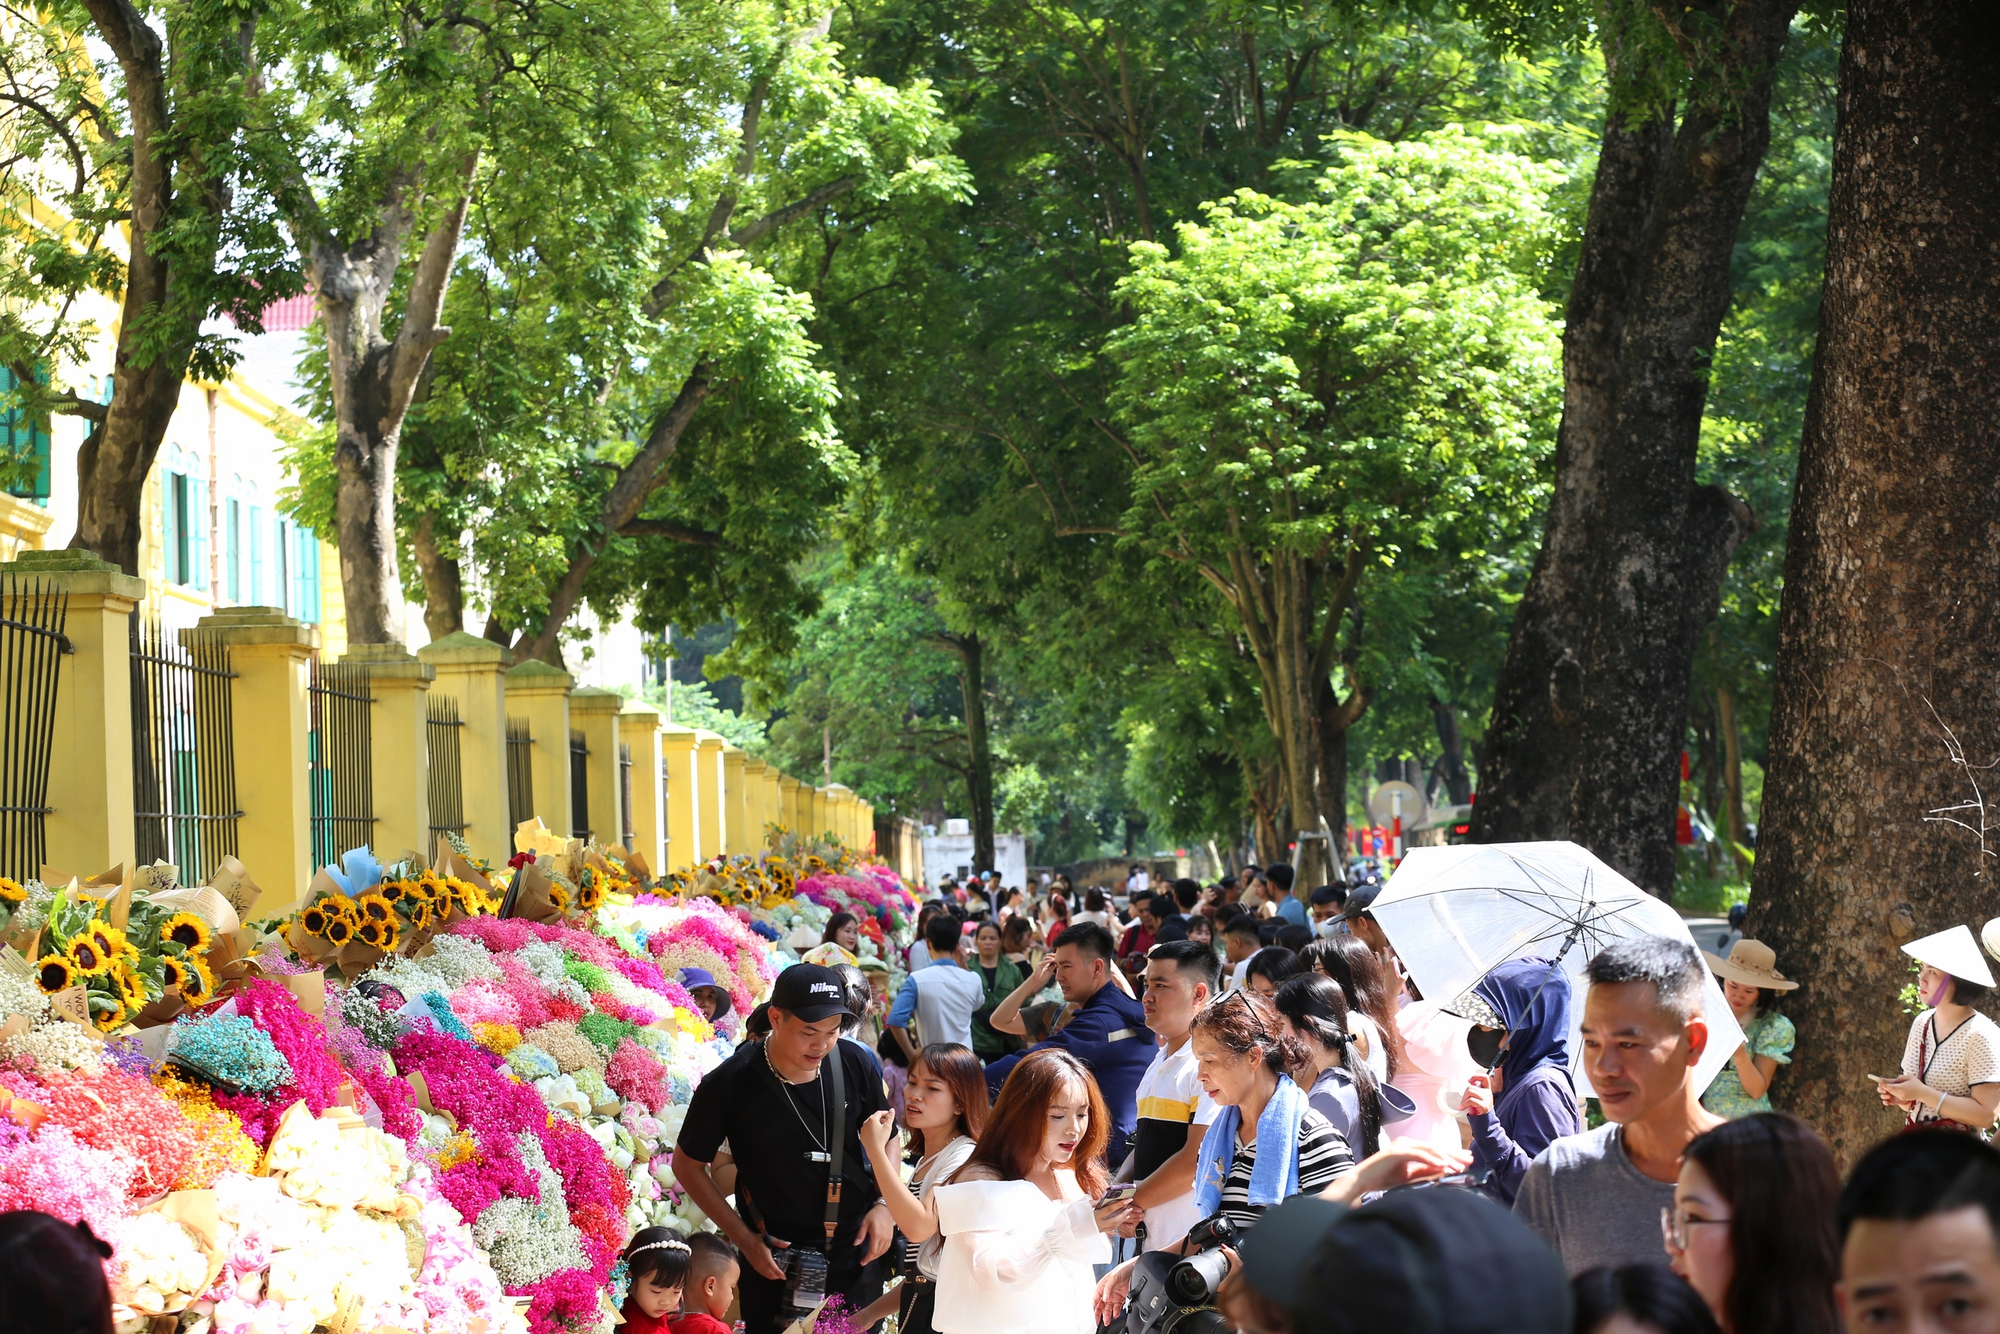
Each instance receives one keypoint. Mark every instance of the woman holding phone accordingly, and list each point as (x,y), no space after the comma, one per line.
(1951,1063)
(944,1109)
(1022,1221)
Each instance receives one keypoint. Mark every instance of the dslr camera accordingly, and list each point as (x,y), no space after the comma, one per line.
(1175,1294)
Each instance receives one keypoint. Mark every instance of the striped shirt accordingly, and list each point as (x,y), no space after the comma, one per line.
(1323,1159)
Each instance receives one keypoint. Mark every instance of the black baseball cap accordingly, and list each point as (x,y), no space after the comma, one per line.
(1359,900)
(1432,1260)
(809,992)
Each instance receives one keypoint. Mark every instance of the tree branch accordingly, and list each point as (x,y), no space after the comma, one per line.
(421,331)
(798,208)
(673,532)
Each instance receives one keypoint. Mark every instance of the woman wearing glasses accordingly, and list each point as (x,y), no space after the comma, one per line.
(1752,1226)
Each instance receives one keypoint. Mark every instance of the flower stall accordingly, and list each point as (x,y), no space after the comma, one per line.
(433,1098)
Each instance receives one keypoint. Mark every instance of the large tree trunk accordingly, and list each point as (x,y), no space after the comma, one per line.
(158,324)
(1451,754)
(374,380)
(444,586)
(971,652)
(1589,712)
(1892,578)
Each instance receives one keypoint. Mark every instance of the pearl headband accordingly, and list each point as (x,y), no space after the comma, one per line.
(670,1244)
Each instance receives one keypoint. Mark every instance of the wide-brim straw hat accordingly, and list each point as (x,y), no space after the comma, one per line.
(1955,951)
(1751,963)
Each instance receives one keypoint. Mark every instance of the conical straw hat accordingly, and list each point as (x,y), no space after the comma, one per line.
(1956,952)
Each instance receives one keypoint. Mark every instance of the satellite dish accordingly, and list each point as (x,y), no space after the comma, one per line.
(1384,803)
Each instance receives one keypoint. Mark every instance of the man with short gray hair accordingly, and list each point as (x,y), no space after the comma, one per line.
(1596,1197)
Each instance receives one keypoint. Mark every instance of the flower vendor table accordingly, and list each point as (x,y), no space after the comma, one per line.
(398,1109)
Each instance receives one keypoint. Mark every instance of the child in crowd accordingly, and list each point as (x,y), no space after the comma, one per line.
(656,1265)
(700,984)
(711,1286)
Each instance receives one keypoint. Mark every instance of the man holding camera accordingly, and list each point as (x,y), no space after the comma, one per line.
(809,1219)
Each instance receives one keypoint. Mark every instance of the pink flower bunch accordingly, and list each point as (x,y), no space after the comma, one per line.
(595,1192)
(636,1075)
(703,934)
(564,1300)
(464,1080)
(483,1002)
(59,1174)
(455,1285)
(307,1048)
(524,991)
(114,1111)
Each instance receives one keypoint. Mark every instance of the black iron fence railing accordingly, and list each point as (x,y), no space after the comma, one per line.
(339,752)
(520,775)
(579,786)
(32,618)
(183,751)
(447,778)
(625,794)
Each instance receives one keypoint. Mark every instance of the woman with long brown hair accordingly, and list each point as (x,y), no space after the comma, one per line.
(1752,1226)
(1021,1221)
(944,1109)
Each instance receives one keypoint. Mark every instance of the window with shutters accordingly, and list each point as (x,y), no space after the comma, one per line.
(26,441)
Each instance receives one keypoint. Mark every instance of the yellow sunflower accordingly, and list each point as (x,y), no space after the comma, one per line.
(558,898)
(393,891)
(86,957)
(369,932)
(421,915)
(375,908)
(339,929)
(339,904)
(314,920)
(186,930)
(199,984)
(11,891)
(172,972)
(55,973)
(108,1020)
(392,935)
(131,988)
(110,941)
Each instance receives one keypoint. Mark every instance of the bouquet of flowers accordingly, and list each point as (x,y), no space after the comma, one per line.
(122,967)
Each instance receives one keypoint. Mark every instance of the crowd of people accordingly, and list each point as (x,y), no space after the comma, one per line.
(1228,1103)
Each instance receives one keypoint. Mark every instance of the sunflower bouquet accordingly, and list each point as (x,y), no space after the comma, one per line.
(158,954)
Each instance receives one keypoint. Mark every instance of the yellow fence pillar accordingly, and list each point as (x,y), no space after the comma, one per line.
(837,822)
(399,747)
(469,674)
(538,695)
(595,713)
(680,753)
(774,802)
(639,728)
(868,841)
(708,780)
(754,813)
(817,817)
(90,745)
(269,652)
(793,813)
(735,802)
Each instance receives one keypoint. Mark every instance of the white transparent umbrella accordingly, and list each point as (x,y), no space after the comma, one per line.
(1454,914)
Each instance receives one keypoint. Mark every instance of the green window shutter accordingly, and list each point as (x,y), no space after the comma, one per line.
(173,495)
(257,557)
(197,521)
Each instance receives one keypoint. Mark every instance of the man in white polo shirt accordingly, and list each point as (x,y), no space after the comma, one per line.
(941,995)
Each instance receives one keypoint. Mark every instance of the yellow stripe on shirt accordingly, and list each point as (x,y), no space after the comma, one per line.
(1166,1109)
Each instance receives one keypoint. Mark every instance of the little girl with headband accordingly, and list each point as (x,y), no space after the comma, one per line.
(656,1266)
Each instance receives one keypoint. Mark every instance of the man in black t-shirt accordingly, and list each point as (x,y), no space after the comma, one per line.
(772,1101)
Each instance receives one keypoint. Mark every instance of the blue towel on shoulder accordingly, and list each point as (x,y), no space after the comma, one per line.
(1275,1174)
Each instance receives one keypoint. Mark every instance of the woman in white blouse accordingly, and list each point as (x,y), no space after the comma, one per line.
(1021,1221)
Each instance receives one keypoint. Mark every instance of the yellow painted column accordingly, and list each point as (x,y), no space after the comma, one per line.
(269,652)
(680,751)
(639,728)
(469,673)
(793,815)
(735,803)
(595,713)
(708,780)
(774,801)
(754,817)
(399,748)
(837,822)
(538,695)
(819,815)
(868,841)
(90,744)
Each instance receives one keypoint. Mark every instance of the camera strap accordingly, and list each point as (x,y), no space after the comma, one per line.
(836,1143)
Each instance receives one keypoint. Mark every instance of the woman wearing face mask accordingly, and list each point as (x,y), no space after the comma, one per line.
(1752,1226)
(1021,1221)
(1951,1063)
(1525,1099)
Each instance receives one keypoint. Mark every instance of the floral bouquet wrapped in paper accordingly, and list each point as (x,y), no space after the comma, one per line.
(124,954)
